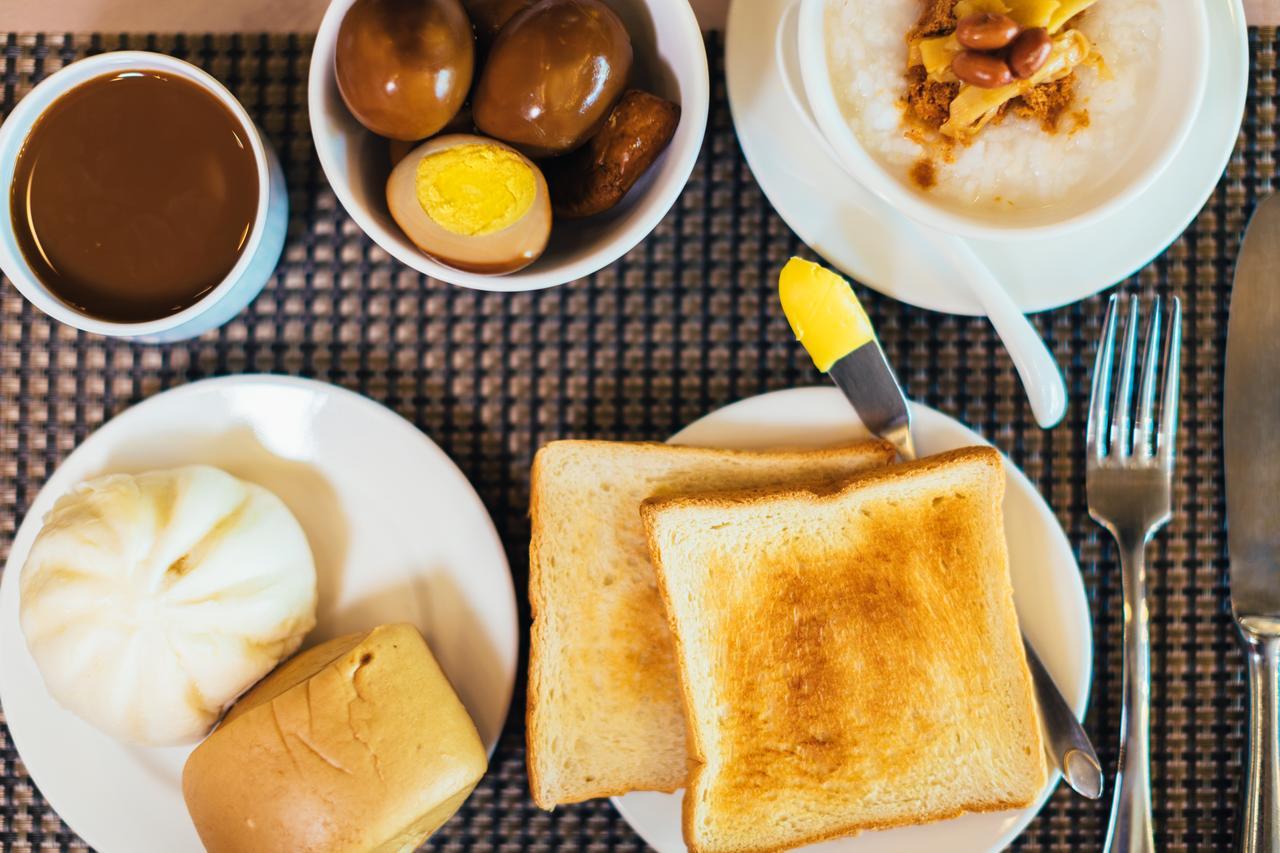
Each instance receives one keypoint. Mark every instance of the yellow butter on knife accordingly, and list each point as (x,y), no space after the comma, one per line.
(823,311)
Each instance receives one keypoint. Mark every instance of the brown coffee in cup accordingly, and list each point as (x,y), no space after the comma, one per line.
(134,195)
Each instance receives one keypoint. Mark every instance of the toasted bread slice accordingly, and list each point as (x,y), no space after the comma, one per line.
(605,714)
(850,660)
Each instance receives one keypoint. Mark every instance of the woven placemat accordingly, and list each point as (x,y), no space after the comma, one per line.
(683,324)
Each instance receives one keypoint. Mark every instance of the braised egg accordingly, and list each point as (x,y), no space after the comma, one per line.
(489,16)
(471,203)
(553,73)
(404,66)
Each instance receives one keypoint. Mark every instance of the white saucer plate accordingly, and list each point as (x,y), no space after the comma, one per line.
(868,240)
(398,534)
(1048,593)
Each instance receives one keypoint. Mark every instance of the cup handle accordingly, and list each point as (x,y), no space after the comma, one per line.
(785,42)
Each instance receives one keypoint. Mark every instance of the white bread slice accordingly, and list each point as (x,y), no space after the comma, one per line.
(851,660)
(605,714)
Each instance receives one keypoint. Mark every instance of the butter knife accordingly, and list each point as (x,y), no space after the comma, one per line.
(828,320)
(1251,412)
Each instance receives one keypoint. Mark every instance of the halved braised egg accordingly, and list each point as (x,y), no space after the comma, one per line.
(472,203)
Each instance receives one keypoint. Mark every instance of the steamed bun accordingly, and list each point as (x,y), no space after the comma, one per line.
(151,602)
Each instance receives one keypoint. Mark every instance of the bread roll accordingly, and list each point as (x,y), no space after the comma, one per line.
(151,602)
(358,744)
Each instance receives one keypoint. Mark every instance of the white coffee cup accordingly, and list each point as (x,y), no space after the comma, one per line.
(1183,70)
(261,251)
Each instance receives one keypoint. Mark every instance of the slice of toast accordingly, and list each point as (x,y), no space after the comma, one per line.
(605,714)
(849,660)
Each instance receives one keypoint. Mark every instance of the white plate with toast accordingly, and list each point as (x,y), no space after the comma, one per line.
(398,535)
(1048,594)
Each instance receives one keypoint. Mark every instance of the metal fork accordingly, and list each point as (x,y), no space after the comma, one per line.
(1129,481)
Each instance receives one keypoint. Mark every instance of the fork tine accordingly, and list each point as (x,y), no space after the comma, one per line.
(1144,439)
(1100,395)
(1167,441)
(1122,417)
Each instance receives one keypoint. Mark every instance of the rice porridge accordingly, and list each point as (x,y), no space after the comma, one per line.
(977,135)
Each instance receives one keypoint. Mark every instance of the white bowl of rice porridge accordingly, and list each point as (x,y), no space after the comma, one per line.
(1057,113)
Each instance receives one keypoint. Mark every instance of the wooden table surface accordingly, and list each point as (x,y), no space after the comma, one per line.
(1262,13)
(286,15)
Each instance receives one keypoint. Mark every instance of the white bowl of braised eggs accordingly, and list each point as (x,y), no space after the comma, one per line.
(508,145)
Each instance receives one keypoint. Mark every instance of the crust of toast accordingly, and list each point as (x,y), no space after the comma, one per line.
(883,451)
(697,747)
(738,497)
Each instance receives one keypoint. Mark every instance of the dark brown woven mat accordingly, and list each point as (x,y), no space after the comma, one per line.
(681,325)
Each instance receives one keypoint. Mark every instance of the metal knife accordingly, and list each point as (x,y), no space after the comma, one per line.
(842,341)
(1251,412)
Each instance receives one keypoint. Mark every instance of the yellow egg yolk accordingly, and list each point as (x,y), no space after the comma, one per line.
(823,311)
(475,189)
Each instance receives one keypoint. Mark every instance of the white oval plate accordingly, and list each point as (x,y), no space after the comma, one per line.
(1047,591)
(398,534)
(867,239)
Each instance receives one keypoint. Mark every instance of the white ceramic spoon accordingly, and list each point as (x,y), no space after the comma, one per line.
(1036,366)
(1041,377)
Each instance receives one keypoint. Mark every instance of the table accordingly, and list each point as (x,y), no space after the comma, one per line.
(288,16)
(682,324)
